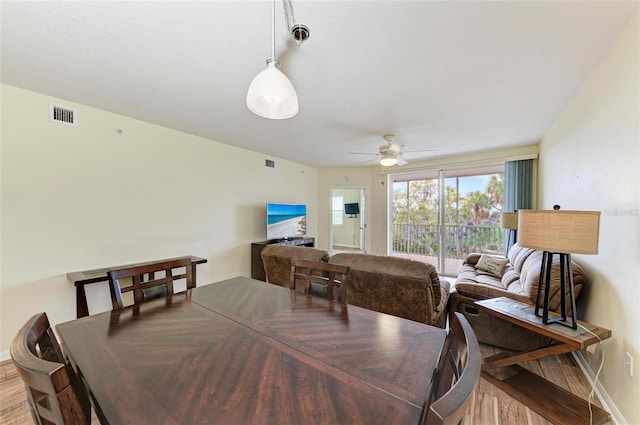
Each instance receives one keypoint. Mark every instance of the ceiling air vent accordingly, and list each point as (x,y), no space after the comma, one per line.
(63,115)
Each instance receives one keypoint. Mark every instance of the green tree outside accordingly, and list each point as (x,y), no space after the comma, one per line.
(472,220)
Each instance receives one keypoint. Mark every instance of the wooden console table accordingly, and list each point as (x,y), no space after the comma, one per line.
(550,401)
(86,277)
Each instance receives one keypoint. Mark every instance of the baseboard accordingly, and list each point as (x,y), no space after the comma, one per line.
(4,355)
(600,392)
(346,246)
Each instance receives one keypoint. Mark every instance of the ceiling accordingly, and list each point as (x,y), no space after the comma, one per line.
(453,76)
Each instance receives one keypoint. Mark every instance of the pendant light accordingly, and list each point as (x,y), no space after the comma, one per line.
(388,160)
(271,94)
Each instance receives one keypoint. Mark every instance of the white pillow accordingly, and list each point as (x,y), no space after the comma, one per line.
(491,264)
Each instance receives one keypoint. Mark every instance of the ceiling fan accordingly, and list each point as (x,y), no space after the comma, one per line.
(390,153)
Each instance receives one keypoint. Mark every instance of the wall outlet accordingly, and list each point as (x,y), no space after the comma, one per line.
(628,363)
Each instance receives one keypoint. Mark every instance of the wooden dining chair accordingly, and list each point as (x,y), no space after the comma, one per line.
(456,376)
(144,283)
(320,278)
(54,393)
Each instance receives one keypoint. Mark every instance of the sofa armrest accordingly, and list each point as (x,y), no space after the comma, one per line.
(493,330)
(479,291)
(472,258)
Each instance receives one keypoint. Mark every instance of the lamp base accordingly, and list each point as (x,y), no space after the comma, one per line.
(566,277)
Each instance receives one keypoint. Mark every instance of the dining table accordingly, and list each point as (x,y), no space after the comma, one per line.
(242,351)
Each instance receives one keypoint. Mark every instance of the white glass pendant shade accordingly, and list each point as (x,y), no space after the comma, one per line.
(388,161)
(271,94)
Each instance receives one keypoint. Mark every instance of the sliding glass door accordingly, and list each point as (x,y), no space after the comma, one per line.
(440,216)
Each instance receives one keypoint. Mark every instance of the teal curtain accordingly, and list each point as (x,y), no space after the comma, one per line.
(518,193)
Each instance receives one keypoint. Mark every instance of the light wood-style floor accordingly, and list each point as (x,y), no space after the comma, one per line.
(489,405)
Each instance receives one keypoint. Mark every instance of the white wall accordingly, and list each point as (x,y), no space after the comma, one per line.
(590,160)
(376,206)
(76,198)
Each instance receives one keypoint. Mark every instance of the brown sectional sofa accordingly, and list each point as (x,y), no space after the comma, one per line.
(396,286)
(276,260)
(519,280)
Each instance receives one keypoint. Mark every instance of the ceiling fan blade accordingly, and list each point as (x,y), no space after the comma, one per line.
(367,162)
(420,150)
(362,153)
(401,162)
(395,148)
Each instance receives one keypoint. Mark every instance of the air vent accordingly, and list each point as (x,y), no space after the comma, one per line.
(269,163)
(63,115)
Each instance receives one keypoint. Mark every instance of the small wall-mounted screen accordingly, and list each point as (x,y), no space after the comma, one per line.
(351,209)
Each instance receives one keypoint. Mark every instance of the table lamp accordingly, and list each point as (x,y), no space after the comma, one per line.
(509,221)
(563,233)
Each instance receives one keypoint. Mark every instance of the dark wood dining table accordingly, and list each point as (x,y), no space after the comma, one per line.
(242,351)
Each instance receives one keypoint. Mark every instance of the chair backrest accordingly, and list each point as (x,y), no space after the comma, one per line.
(456,376)
(54,392)
(320,278)
(152,287)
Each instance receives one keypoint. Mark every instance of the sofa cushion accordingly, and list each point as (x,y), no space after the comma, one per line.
(530,279)
(276,260)
(396,286)
(492,264)
(480,291)
(392,266)
(518,255)
(470,274)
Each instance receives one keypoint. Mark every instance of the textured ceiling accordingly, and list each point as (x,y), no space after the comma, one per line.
(453,76)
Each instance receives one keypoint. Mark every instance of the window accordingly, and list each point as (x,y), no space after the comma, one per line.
(337,211)
(440,216)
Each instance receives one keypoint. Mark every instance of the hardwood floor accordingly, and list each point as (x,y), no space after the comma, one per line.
(489,406)
(14,409)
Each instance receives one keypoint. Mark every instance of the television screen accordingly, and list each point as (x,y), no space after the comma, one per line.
(286,221)
(351,209)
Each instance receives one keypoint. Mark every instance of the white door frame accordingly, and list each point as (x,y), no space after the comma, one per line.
(364,214)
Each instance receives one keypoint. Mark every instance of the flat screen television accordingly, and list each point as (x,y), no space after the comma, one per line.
(352,208)
(286,221)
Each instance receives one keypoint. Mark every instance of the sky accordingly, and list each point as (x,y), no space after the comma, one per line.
(467,184)
(470,184)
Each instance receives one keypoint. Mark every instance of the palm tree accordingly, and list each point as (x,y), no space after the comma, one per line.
(495,190)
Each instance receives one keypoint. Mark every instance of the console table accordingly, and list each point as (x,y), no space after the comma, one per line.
(550,401)
(86,277)
(257,269)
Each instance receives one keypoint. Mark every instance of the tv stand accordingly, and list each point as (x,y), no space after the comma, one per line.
(257,269)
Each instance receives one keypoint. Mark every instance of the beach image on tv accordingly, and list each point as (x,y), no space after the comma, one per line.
(286,221)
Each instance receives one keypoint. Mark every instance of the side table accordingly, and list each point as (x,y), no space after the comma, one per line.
(550,401)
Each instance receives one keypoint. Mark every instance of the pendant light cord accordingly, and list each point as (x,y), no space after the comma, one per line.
(288,13)
(273,30)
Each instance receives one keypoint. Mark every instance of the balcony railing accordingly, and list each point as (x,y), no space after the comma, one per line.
(460,240)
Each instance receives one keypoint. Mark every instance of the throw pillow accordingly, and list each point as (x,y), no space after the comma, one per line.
(492,265)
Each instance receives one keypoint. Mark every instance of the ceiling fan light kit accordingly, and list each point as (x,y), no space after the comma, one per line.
(390,154)
(388,161)
(271,94)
